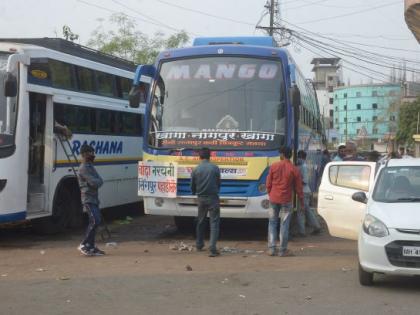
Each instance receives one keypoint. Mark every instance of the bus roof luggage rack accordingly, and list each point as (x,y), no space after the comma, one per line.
(240,40)
(77,50)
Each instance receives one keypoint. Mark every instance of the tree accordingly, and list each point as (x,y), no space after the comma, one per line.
(407,123)
(129,43)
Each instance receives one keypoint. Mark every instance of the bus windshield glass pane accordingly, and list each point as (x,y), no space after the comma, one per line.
(219,102)
(8,108)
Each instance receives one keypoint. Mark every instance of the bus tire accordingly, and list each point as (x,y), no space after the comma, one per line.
(67,211)
(184,224)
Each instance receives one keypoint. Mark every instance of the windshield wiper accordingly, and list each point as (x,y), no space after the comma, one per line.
(409,199)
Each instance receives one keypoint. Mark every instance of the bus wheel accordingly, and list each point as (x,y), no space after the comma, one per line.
(184,224)
(67,212)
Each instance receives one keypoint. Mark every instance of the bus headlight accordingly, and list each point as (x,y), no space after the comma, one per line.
(265,204)
(159,202)
(262,188)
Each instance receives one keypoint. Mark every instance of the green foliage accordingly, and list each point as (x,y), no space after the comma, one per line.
(407,123)
(129,43)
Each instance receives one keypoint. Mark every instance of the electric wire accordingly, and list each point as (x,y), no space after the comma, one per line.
(350,13)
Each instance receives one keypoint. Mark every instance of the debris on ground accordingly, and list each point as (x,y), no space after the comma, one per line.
(224,281)
(242,296)
(308,298)
(188,268)
(41,269)
(146,251)
(233,250)
(181,246)
(285,287)
(64,278)
(127,220)
(344,269)
(4,275)
(42,252)
(111,244)
(68,301)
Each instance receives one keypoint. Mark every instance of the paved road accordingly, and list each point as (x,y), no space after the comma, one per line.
(143,275)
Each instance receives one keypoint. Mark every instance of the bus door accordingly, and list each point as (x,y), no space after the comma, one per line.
(37,138)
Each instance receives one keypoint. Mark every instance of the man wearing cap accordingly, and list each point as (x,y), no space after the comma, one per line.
(89,183)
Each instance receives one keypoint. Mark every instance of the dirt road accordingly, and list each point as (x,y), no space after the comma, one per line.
(145,273)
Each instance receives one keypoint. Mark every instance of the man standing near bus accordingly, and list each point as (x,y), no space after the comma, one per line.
(282,177)
(205,183)
(304,210)
(89,183)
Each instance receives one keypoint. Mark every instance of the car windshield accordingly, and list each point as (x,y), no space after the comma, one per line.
(398,184)
(8,108)
(220,102)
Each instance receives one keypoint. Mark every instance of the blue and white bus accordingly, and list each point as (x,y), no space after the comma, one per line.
(51,82)
(239,97)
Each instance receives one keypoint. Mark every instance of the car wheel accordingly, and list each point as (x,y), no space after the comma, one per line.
(365,278)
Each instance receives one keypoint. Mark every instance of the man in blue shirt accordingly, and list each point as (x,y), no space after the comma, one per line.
(205,183)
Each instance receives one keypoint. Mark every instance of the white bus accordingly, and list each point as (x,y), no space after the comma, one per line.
(50,81)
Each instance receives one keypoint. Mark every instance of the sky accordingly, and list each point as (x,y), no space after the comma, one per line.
(378,25)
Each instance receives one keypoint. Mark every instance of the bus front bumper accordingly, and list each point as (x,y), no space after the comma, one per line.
(230,207)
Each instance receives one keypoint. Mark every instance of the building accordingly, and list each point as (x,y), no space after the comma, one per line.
(412,17)
(327,77)
(367,113)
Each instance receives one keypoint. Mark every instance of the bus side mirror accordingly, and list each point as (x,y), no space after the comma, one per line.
(10,85)
(134,96)
(142,80)
(294,95)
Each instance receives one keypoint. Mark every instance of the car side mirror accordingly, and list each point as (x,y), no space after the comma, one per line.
(10,85)
(360,196)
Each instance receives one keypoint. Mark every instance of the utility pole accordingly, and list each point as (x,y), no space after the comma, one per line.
(275,29)
(347,129)
(271,30)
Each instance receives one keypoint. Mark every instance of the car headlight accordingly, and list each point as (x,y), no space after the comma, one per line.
(374,226)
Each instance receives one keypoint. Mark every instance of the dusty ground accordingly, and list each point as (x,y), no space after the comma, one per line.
(143,275)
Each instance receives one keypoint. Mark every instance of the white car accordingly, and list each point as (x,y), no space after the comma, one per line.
(380,206)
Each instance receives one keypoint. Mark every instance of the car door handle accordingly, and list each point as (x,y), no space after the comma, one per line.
(328,197)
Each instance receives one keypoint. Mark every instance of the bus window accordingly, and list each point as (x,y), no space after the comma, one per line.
(116,123)
(85,80)
(105,84)
(131,124)
(62,74)
(103,121)
(39,72)
(123,87)
(84,117)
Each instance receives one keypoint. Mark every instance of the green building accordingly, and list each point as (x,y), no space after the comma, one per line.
(367,113)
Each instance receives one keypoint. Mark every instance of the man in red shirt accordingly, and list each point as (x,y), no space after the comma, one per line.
(282,178)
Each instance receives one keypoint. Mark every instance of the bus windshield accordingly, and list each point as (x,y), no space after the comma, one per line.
(8,109)
(219,102)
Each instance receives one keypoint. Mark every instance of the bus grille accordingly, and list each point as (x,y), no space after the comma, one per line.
(233,188)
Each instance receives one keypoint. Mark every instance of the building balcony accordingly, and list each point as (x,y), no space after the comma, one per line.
(412,17)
